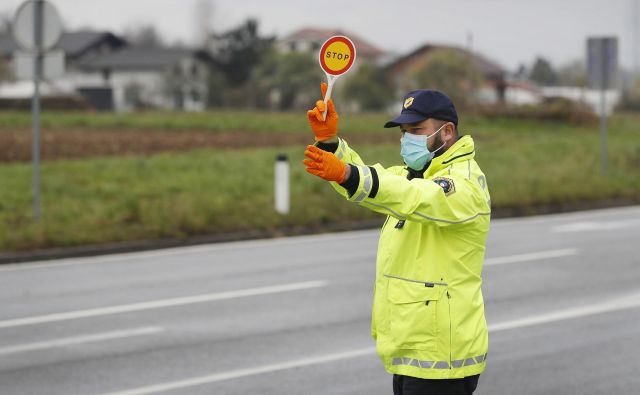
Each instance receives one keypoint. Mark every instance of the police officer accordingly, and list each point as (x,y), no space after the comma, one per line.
(428,312)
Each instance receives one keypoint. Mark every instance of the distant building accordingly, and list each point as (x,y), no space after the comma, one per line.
(494,75)
(309,40)
(590,97)
(77,46)
(521,92)
(111,75)
(139,77)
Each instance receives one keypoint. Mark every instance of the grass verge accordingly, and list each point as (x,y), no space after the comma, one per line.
(179,195)
(259,121)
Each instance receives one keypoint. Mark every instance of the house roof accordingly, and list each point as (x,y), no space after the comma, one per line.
(141,58)
(363,47)
(74,44)
(488,67)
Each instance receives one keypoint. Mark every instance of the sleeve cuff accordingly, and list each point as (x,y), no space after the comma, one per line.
(351,183)
(329,147)
(366,183)
(337,148)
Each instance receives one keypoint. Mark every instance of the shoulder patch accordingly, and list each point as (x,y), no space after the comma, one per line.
(446,184)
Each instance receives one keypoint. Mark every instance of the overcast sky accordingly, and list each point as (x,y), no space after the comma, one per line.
(509,31)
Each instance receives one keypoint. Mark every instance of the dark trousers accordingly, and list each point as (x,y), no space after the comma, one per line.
(405,385)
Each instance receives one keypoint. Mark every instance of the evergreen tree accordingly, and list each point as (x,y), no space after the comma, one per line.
(542,73)
(449,71)
(369,87)
(286,81)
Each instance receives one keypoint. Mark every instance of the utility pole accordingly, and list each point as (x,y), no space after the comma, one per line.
(602,65)
(470,92)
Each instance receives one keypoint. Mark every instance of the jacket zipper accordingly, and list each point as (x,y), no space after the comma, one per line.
(426,283)
(385,223)
(450,334)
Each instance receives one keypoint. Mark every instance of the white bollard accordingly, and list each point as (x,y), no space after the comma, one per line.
(282,184)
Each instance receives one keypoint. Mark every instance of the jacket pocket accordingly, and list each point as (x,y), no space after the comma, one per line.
(413,313)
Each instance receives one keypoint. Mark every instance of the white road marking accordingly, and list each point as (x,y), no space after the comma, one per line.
(246,372)
(156,304)
(588,226)
(629,302)
(178,251)
(614,305)
(75,340)
(534,256)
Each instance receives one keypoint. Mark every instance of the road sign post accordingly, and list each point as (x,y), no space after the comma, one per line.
(35,107)
(602,64)
(36,28)
(336,57)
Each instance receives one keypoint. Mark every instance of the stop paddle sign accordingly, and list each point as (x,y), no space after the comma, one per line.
(336,57)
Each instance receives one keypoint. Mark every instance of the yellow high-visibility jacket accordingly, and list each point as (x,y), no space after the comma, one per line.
(428,312)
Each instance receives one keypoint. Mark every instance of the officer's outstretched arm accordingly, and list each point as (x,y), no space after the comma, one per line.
(448,201)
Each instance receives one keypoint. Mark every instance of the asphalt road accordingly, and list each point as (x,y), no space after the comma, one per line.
(291,315)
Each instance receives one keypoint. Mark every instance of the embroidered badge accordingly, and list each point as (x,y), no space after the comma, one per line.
(408,102)
(446,184)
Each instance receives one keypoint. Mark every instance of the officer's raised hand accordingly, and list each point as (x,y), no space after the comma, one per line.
(324,129)
(325,165)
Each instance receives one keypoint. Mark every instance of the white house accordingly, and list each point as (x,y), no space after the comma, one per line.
(111,75)
(138,77)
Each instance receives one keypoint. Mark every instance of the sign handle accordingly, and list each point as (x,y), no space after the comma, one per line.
(330,80)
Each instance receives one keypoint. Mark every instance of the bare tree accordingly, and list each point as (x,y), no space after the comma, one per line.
(204,10)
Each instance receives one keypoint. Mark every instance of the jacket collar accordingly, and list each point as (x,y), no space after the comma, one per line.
(462,150)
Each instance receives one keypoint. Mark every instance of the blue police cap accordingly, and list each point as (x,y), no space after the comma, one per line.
(422,104)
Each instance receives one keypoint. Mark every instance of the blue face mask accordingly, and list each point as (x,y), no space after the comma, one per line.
(414,150)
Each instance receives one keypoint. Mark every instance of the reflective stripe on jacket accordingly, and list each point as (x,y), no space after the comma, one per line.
(428,311)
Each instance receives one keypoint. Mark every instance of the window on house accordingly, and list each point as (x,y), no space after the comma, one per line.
(133,95)
(293,46)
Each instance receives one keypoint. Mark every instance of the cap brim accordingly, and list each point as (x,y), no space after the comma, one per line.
(404,118)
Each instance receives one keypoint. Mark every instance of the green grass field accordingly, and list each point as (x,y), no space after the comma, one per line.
(215,121)
(255,121)
(92,201)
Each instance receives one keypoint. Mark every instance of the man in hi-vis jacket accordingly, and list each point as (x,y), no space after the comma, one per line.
(428,312)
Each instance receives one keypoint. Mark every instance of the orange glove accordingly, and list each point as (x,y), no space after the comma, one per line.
(324,164)
(323,129)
